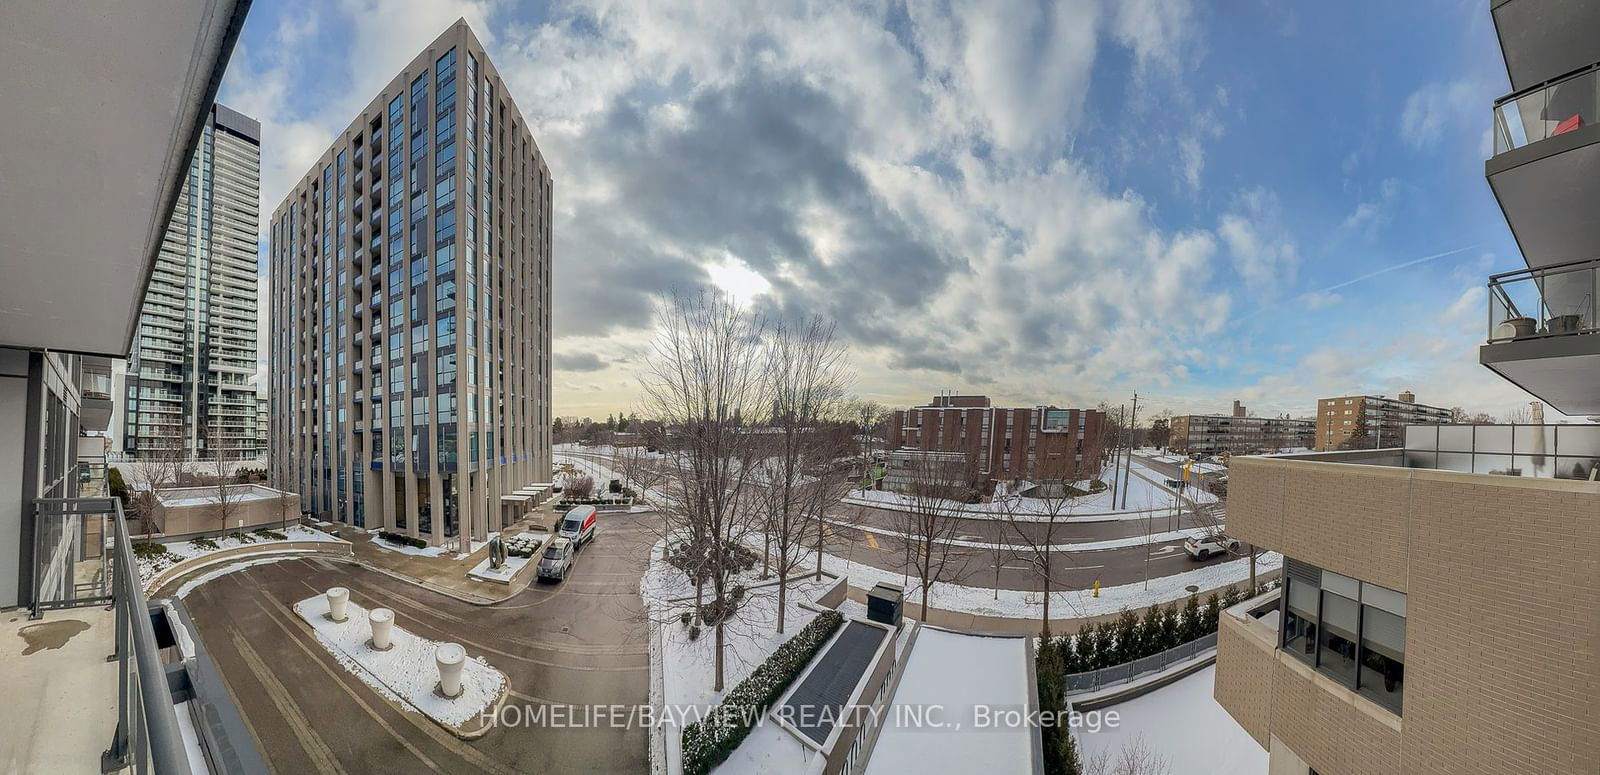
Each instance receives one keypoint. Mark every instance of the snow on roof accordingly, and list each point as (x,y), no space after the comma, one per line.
(966,675)
(206,496)
(1175,722)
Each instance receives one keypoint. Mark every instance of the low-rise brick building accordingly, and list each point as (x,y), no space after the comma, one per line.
(1004,443)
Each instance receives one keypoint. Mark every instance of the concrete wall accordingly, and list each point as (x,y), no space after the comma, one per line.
(1502,634)
(202,519)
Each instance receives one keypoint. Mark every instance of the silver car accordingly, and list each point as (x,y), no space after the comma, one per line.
(557,559)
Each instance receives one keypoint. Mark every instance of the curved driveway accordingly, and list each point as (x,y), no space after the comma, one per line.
(309,714)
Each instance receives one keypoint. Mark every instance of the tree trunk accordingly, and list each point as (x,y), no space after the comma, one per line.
(783,595)
(720,639)
(819,547)
(1045,628)
(1252,570)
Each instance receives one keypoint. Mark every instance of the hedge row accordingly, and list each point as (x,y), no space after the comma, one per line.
(567,503)
(402,539)
(708,742)
(1130,636)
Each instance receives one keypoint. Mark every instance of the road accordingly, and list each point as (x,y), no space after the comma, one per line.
(867,535)
(578,643)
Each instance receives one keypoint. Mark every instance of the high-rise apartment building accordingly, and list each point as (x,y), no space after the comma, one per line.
(1438,613)
(410,351)
(190,371)
(1382,419)
(1238,433)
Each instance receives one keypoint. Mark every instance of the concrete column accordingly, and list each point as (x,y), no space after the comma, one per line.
(386,498)
(411,504)
(466,496)
(436,504)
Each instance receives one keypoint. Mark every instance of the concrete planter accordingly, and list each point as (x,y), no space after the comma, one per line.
(451,658)
(382,621)
(338,598)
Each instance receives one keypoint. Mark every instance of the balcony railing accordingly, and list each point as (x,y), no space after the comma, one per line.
(1549,301)
(1546,110)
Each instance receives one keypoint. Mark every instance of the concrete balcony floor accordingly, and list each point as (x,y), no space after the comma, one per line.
(60,708)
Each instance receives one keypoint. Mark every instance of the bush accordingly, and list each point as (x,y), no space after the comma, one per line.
(694,632)
(580,486)
(522,545)
(117,486)
(684,617)
(402,539)
(272,535)
(708,742)
(1060,751)
(149,550)
(203,543)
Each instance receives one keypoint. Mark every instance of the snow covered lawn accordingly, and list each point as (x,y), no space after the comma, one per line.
(688,665)
(1182,724)
(415,551)
(407,671)
(1066,604)
(1146,493)
(186,549)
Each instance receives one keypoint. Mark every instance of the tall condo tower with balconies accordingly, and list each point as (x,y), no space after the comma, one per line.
(1545,173)
(410,350)
(190,372)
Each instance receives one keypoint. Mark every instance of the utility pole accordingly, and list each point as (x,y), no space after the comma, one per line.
(1133,422)
(1116,456)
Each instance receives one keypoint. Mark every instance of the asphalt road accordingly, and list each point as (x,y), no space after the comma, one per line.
(581,642)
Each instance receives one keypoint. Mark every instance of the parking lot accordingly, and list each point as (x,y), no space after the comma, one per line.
(581,642)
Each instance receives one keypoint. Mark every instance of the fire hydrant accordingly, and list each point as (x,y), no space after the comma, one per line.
(1097,587)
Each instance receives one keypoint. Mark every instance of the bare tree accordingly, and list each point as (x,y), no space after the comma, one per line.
(226,495)
(159,467)
(640,472)
(937,486)
(1135,758)
(868,417)
(1036,516)
(704,376)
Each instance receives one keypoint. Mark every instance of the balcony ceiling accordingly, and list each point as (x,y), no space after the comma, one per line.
(1547,191)
(102,104)
(1541,39)
(1558,370)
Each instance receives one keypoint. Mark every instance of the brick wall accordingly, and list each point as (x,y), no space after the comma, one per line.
(1502,627)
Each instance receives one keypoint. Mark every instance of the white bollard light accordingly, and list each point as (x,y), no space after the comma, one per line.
(337,598)
(382,621)
(451,657)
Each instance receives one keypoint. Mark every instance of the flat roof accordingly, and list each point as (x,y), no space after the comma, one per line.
(958,673)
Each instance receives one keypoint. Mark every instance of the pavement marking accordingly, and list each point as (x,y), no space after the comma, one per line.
(279,614)
(312,743)
(872,541)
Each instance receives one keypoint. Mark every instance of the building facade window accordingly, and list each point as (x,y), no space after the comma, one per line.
(1349,630)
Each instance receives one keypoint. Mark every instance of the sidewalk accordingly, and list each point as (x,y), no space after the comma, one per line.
(966,622)
(446,574)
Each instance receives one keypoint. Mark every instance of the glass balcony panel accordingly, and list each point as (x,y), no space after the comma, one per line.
(1581,440)
(1546,112)
(1455,438)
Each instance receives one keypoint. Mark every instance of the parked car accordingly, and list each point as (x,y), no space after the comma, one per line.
(1204,547)
(557,560)
(580,525)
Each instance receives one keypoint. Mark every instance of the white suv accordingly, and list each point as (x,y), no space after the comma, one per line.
(1215,543)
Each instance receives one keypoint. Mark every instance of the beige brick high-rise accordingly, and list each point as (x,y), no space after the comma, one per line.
(411,307)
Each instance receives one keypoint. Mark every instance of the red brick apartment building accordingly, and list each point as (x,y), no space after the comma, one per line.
(1002,443)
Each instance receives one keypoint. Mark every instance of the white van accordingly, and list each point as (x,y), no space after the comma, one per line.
(580,525)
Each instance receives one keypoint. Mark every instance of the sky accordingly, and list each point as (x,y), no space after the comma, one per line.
(1046,203)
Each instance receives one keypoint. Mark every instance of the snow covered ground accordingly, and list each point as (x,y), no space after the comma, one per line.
(688,666)
(965,676)
(1146,493)
(1085,546)
(503,574)
(184,549)
(415,551)
(1182,724)
(407,671)
(1065,604)
(211,575)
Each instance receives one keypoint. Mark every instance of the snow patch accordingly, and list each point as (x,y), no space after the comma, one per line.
(405,672)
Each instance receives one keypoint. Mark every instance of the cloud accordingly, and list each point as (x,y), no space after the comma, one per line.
(1314,300)
(577,362)
(1264,255)
(1432,109)
(1371,215)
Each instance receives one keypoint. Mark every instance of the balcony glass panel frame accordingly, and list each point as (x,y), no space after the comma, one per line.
(1546,110)
(1558,300)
